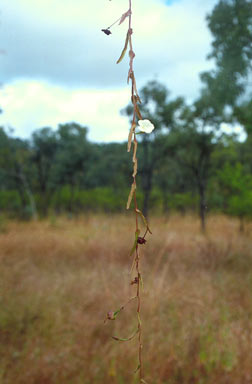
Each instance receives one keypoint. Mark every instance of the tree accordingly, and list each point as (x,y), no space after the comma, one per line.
(73,157)
(44,148)
(231,26)
(109,167)
(192,150)
(236,185)
(14,170)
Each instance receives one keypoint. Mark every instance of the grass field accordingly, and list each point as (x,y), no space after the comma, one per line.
(59,278)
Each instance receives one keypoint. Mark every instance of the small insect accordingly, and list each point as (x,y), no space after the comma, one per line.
(106,31)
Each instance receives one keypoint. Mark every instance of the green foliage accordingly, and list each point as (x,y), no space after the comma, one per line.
(236,187)
(10,201)
(230,24)
(93,200)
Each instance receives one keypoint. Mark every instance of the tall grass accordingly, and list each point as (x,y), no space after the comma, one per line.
(58,278)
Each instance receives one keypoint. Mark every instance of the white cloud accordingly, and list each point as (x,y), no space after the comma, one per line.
(31,105)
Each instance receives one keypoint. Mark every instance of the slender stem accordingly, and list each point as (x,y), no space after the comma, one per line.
(137,259)
(138,317)
(115,22)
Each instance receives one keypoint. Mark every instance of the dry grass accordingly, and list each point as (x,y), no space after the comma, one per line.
(59,279)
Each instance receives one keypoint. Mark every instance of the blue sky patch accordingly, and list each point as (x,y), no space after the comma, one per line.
(170,2)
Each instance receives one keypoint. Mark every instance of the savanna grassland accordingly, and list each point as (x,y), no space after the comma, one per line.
(60,277)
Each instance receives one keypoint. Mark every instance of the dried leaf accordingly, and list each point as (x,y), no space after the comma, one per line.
(135,87)
(124,16)
(135,99)
(135,169)
(144,220)
(124,48)
(138,112)
(129,75)
(141,281)
(133,188)
(134,159)
(133,126)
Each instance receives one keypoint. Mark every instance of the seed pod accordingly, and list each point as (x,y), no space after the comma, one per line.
(141,240)
(106,31)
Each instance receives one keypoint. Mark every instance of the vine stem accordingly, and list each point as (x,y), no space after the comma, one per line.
(137,259)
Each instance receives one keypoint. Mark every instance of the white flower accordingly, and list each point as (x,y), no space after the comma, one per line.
(145,126)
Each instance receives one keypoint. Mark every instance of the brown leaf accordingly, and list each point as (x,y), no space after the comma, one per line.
(133,188)
(133,126)
(135,169)
(138,112)
(124,16)
(135,151)
(135,87)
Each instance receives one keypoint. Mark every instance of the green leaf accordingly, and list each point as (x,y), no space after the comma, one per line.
(124,48)
(127,339)
(117,312)
(137,233)
(137,368)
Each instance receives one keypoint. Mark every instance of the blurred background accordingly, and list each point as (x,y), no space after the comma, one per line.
(65,175)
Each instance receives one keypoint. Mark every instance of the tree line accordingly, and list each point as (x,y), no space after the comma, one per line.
(187,163)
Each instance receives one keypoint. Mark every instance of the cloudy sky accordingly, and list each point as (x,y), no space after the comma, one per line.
(57,66)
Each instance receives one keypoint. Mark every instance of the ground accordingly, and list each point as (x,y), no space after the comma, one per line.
(60,277)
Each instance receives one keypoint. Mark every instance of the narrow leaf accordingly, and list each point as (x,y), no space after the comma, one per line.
(117,312)
(133,188)
(127,339)
(135,87)
(135,151)
(138,112)
(135,169)
(135,242)
(141,280)
(133,126)
(133,265)
(133,248)
(144,220)
(124,48)
(137,368)
(124,16)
